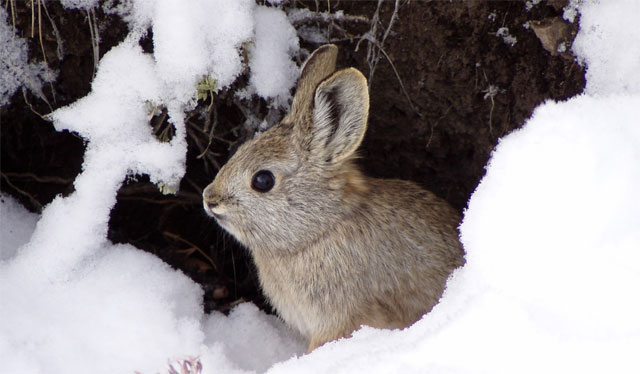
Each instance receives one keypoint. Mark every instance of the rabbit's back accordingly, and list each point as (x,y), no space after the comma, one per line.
(383,265)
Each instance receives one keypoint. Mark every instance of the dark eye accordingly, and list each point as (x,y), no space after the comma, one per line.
(263,181)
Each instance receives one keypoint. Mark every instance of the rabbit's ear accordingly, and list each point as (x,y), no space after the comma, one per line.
(339,119)
(318,66)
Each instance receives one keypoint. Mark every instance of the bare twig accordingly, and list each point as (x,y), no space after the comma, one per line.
(375,48)
(22,192)
(44,55)
(95,38)
(194,185)
(395,71)
(394,17)
(33,19)
(12,4)
(208,155)
(209,125)
(56,33)
(373,55)
(44,98)
(298,17)
(37,178)
(490,93)
(435,124)
(191,245)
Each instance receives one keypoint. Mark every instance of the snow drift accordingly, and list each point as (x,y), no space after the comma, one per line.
(552,232)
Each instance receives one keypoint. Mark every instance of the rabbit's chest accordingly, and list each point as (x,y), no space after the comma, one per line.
(304,291)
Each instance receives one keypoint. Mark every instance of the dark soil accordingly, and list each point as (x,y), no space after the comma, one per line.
(465,88)
(448,56)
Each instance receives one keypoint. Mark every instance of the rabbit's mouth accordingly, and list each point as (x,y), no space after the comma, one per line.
(212,213)
(209,208)
(221,219)
(218,217)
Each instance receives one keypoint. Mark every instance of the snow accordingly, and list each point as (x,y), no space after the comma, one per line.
(551,233)
(570,12)
(276,42)
(16,226)
(530,4)
(79,4)
(66,292)
(610,50)
(211,33)
(508,39)
(578,221)
(15,71)
(251,339)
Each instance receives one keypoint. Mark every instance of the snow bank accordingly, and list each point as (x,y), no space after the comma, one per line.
(72,302)
(552,238)
(251,339)
(553,230)
(608,45)
(121,310)
(551,233)
(16,226)
(563,200)
(553,263)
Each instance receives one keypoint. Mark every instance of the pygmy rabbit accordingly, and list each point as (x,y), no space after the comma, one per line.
(334,248)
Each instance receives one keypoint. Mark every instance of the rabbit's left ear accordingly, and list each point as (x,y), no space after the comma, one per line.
(339,117)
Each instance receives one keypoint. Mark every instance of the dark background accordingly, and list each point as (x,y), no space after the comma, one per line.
(464,88)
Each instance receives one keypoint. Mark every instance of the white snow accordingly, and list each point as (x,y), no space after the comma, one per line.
(15,71)
(276,42)
(208,41)
(609,49)
(508,39)
(551,233)
(570,11)
(530,4)
(252,339)
(79,4)
(16,226)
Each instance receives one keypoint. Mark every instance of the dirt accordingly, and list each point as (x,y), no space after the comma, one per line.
(465,88)
(448,57)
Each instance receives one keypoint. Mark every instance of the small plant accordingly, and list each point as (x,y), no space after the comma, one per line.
(205,88)
(489,93)
(187,365)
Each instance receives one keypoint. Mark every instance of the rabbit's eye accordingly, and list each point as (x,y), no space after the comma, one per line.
(263,181)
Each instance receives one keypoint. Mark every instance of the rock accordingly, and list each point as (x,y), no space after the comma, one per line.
(555,34)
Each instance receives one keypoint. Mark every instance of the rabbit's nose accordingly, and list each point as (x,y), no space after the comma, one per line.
(209,194)
(210,199)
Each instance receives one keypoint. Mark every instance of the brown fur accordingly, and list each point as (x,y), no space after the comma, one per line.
(334,248)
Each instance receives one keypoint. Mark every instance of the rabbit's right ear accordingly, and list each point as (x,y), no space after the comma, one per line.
(329,109)
(339,117)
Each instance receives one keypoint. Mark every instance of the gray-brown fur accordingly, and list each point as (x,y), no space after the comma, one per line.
(334,248)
